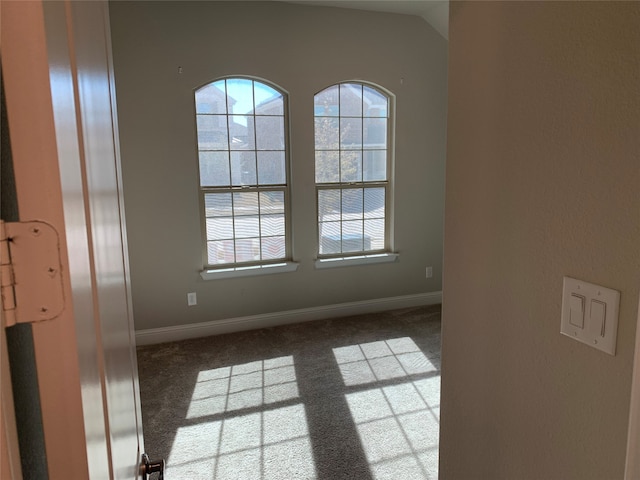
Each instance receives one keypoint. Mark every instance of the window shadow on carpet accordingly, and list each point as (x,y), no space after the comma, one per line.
(354,397)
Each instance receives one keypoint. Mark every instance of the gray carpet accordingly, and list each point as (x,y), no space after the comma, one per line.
(348,398)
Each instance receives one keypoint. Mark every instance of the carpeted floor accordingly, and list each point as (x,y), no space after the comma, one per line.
(348,398)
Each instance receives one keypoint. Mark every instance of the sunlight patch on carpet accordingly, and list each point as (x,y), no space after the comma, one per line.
(398,429)
(398,425)
(243,386)
(252,437)
(382,360)
(272,444)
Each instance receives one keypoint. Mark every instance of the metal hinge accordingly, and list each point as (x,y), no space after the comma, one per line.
(30,280)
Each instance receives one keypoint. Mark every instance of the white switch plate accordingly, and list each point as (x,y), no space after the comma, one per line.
(595,308)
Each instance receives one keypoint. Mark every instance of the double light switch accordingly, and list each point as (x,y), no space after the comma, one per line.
(590,314)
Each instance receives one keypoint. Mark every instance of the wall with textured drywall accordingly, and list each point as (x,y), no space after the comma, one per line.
(542,181)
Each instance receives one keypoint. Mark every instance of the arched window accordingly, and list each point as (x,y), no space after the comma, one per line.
(243,160)
(352,169)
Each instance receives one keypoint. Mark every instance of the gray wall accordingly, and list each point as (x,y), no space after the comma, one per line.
(542,181)
(303,49)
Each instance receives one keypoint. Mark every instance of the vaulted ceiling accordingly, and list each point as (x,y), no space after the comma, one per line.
(435,12)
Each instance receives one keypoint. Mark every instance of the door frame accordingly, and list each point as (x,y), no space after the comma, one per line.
(56,61)
(632,468)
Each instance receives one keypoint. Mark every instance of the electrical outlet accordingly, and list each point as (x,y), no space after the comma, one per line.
(191,299)
(429,272)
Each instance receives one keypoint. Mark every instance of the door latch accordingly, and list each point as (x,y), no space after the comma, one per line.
(149,467)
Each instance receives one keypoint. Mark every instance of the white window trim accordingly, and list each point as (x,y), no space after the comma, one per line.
(347,261)
(367,257)
(228,268)
(249,271)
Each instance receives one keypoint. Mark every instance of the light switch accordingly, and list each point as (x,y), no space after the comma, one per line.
(590,314)
(598,314)
(576,310)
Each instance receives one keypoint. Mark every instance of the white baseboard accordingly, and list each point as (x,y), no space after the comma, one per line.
(154,336)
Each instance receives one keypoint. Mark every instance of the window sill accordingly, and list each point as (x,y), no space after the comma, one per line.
(356,260)
(250,271)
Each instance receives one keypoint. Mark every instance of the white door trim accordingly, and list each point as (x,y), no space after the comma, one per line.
(58,80)
(632,469)
(10,466)
(39,196)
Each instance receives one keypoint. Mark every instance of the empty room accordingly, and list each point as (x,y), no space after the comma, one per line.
(288,240)
(284,163)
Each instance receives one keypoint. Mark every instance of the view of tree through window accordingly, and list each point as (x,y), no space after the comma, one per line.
(242,154)
(351,168)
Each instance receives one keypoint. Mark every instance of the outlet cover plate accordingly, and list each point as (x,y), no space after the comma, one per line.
(192,299)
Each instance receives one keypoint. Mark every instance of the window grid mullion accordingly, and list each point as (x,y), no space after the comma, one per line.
(226,109)
(255,146)
(260,225)
(226,97)
(337,186)
(255,130)
(340,145)
(233,206)
(341,225)
(361,176)
(362,150)
(233,224)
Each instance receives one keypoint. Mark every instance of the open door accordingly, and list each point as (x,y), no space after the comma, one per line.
(56,64)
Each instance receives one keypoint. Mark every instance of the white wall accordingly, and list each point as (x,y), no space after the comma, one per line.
(303,49)
(542,182)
